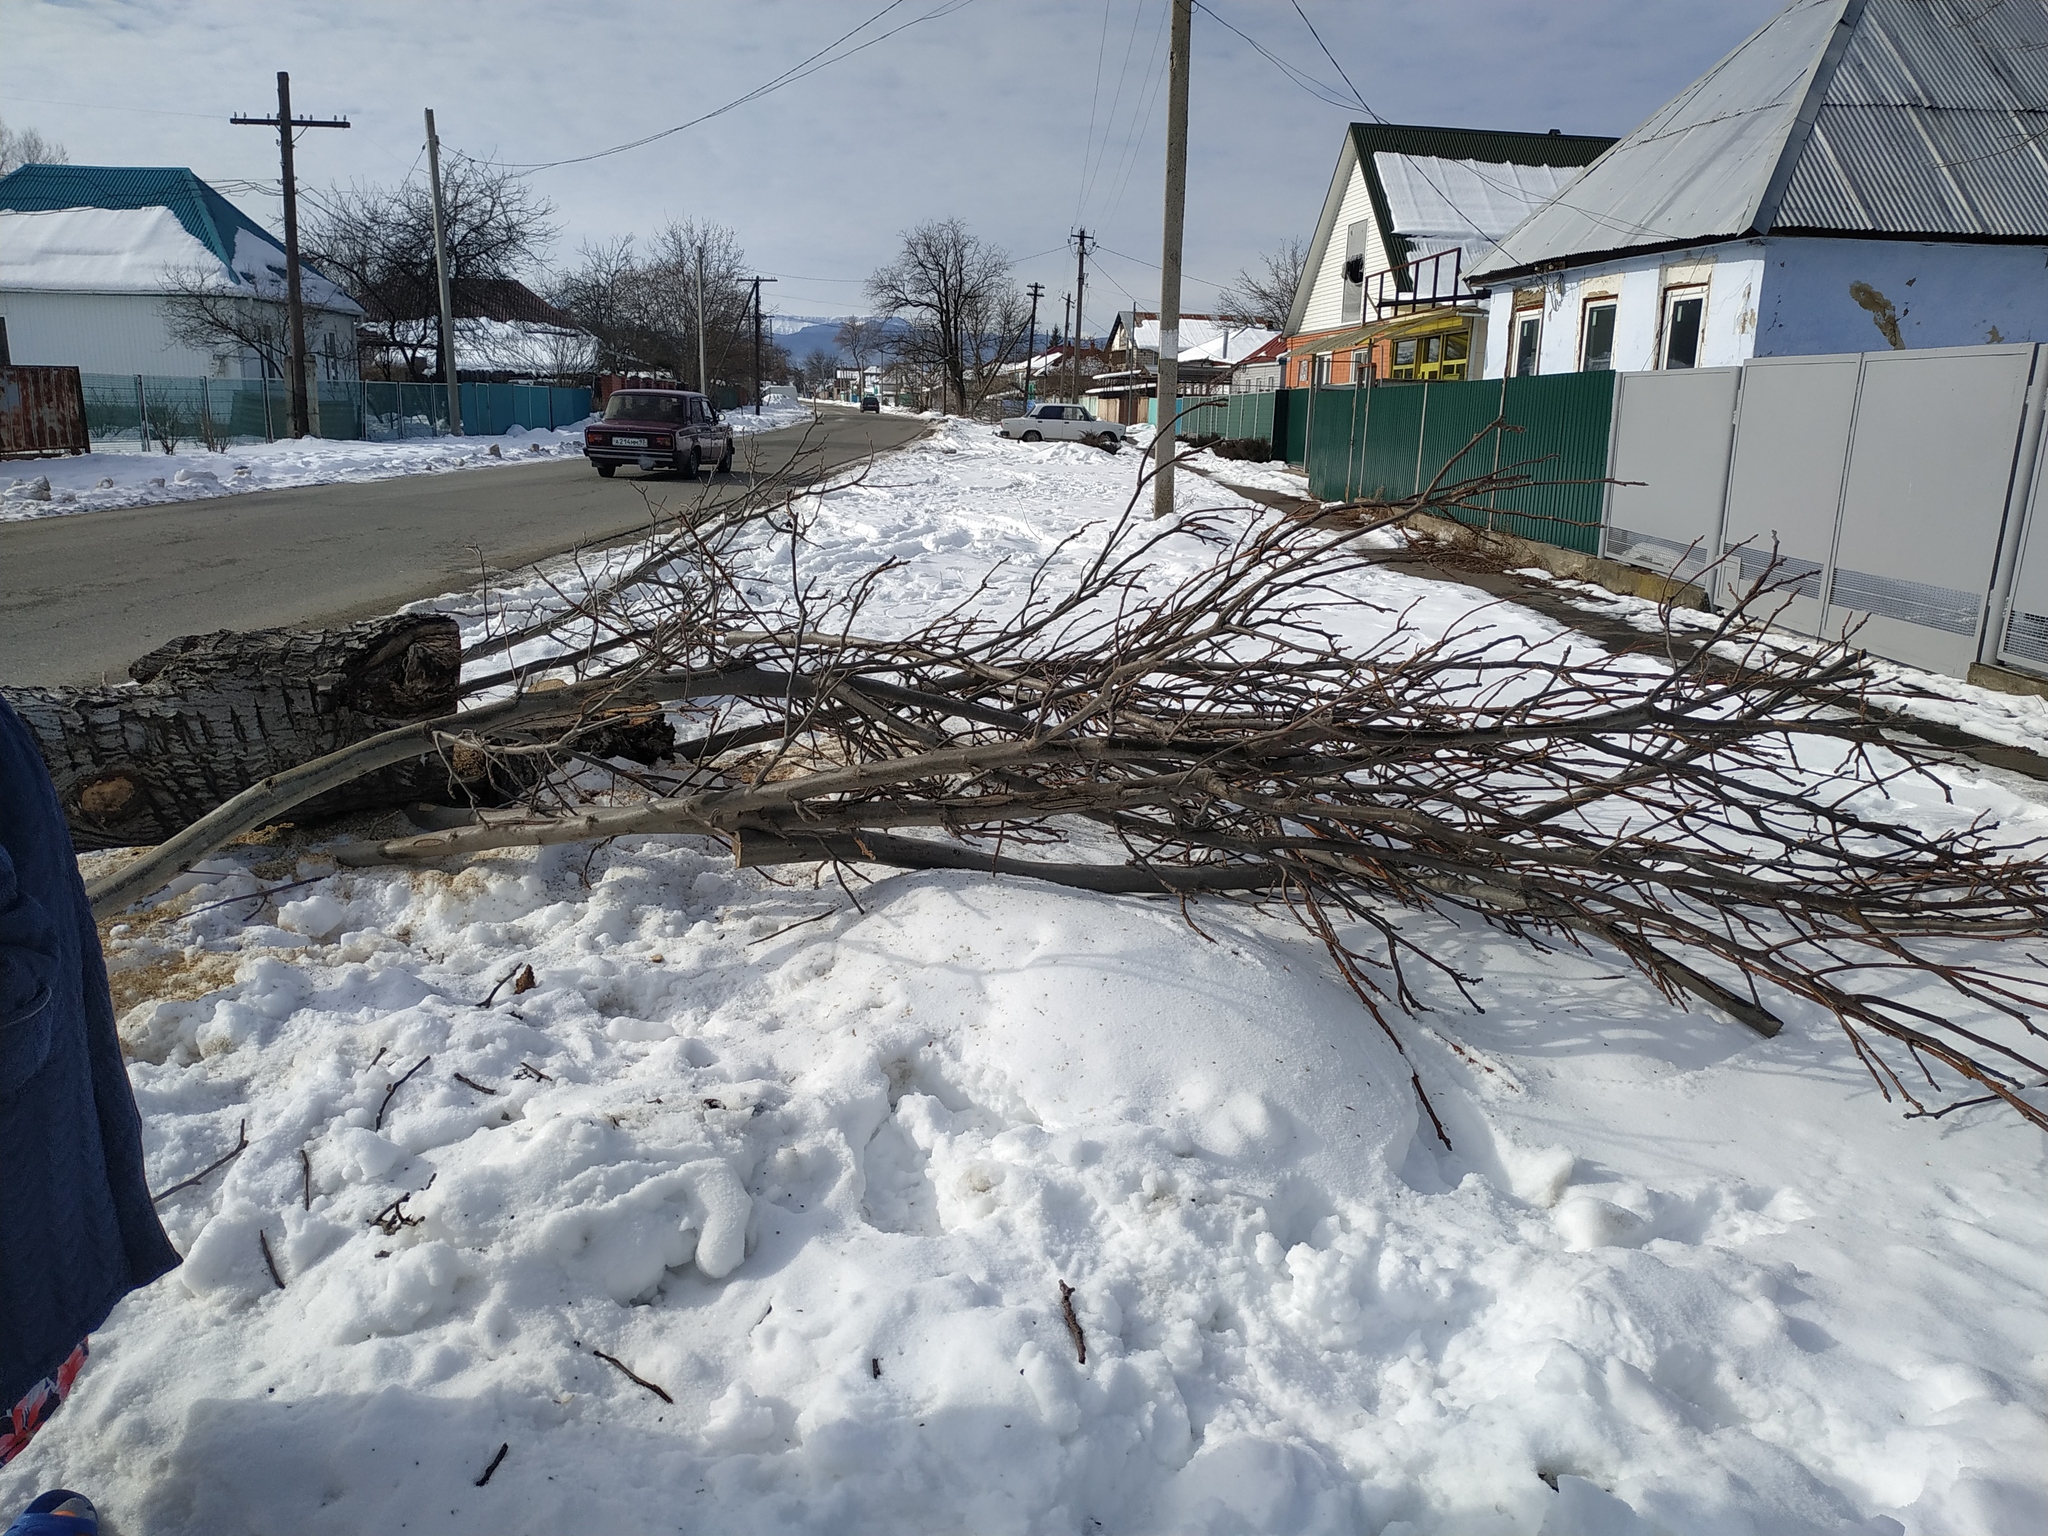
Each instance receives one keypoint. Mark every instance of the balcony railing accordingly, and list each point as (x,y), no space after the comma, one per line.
(1421,283)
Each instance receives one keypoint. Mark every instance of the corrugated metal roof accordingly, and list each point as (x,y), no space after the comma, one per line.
(1365,141)
(1892,117)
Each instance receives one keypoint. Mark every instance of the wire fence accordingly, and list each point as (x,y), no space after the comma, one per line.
(138,412)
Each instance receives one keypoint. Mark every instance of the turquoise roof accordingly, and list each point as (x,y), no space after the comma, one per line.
(207,216)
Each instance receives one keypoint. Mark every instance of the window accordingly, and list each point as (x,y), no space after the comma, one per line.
(1596,353)
(1361,365)
(1457,354)
(1528,343)
(1323,370)
(1407,352)
(1685,314)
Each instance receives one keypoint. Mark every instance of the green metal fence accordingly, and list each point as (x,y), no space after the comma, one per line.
(1392,440)
(1263,415)
(152,411)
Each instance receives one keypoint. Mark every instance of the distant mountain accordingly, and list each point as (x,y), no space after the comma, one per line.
(801,335)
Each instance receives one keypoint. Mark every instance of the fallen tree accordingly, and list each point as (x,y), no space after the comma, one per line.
(1721,815)
(213,714)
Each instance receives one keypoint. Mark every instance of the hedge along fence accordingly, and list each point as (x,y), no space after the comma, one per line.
(1389,441)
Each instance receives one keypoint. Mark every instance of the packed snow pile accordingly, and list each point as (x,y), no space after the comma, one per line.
(676,1197)
(100,481)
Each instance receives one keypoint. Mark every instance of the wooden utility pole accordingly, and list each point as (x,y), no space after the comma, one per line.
(1080,287)
(1169,258)
(441,277)
(1037,291)
(296,366)
(757,341)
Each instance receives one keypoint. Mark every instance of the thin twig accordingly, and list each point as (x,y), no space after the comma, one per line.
(815,917)
(470,1082)
(269,1263)
(1073,1323)
(305,1179)
(493,1467)
(388,1092)
(241,1145)
(631,1375)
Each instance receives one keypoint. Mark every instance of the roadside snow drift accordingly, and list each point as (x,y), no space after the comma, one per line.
(757,1209)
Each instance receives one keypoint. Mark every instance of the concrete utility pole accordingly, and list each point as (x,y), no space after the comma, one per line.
(1080,287)
(1169,258)
(757,341)
(1037,291)
(703,378)
(295,308)
(441,278)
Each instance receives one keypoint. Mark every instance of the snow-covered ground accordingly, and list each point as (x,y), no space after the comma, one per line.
(96,482)
(818,1171)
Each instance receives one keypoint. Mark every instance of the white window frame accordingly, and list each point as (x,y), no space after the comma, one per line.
(1586,307)
(1672,296)
(1516,350)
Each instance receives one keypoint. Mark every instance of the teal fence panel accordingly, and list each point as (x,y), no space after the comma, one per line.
(1332,427)
(1387,462)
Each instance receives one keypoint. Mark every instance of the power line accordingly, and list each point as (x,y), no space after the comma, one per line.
(799,71)
(1088,146)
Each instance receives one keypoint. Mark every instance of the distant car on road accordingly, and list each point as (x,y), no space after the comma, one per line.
(870,403)
(1064,423)
(658,429)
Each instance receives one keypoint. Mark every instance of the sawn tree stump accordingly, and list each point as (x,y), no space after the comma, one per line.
(216,713)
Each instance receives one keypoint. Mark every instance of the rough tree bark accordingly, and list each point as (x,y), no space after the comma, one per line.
(214,714)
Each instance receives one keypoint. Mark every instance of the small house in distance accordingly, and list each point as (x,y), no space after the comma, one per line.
(1857,175)
(97,261)
(1409,211)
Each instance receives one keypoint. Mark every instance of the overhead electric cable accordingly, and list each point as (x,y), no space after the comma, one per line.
(799,71)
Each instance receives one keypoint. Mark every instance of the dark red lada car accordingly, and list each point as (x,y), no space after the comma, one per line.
(658,429)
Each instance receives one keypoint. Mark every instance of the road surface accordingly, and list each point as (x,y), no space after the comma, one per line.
(82,596)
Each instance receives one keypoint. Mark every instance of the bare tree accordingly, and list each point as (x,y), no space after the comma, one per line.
(1265,297)
(964,316)
(819,368)
(204,310)
(27,146)
(643,307)
(863,342)
(377,243)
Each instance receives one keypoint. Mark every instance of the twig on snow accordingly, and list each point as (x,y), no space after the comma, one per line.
(388,1092)
(495,1460)
(241,1145)
(528,1069)
(269,1261)
(470,1082)
(305,1179)
(633,1376)
(1073,1323)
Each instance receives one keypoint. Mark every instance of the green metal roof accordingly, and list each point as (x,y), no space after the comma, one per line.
(207,216)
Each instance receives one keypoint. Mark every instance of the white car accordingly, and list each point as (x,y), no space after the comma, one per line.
(1064,423)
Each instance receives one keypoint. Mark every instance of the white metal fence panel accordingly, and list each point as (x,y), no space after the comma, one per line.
(2022,639)
(1785,482)
(1930,470)
(1669,465)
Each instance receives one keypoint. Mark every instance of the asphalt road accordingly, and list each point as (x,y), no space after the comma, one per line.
(82,596)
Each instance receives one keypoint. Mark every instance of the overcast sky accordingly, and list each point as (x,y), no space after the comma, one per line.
(1025,118)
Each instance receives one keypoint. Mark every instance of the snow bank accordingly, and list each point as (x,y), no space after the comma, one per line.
(96,482)
(818,1172)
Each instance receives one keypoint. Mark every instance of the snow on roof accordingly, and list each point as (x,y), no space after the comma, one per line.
(522,346)
(1438,203)
(1202,338)
(139,250)
(1891,117)
(98,250)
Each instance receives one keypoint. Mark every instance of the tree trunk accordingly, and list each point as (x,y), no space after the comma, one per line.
(214,714)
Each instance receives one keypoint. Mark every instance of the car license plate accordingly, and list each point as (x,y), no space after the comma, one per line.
(629,442)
